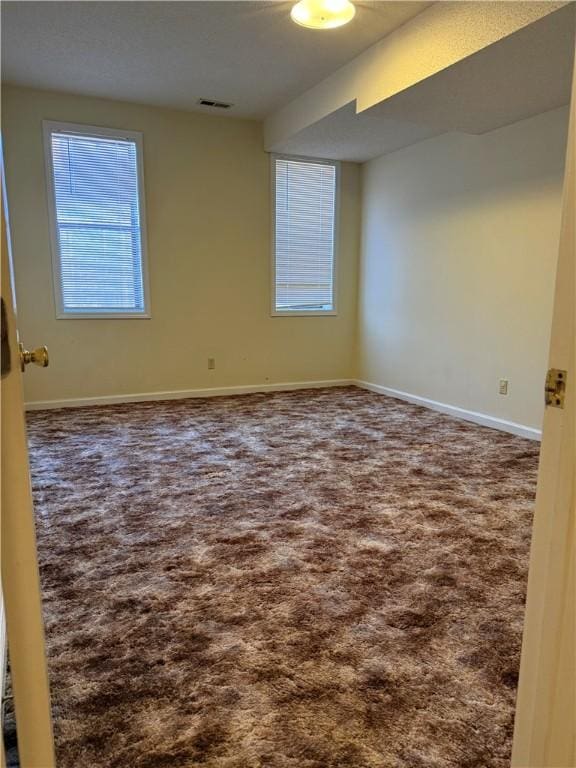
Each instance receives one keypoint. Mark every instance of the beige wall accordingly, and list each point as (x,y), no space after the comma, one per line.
(208,220)
(460,243)
(460,238)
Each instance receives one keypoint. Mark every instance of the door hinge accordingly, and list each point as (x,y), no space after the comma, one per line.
(555,389)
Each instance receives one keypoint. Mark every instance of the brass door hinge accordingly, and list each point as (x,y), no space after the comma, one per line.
(555,389)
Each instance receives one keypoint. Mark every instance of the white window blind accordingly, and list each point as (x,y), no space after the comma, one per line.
(96,212)
(305,213)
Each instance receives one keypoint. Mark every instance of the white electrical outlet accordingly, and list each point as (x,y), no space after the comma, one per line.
(503,387)
(211,363)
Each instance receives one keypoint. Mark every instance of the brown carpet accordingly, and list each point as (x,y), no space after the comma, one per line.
(319,579)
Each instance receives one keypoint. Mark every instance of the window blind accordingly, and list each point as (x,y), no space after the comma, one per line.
(305,204)
(97,224)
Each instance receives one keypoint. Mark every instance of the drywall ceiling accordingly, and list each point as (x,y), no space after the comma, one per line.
(521,75)
(346,135)
(173,53)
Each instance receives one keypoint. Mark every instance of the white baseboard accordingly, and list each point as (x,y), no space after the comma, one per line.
(452,410)
(182,394)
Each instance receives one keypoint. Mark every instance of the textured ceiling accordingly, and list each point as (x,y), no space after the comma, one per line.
(344,135)
(173,53)
(521,75)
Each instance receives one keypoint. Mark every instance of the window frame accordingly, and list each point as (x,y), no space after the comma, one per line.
(336,238)
(49,127)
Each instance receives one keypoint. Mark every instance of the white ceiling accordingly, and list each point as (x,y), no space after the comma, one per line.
(172,53)
(521,75)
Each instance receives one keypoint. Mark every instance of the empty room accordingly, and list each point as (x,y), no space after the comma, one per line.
(287,401)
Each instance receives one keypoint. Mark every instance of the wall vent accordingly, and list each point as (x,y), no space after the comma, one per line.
(214,104)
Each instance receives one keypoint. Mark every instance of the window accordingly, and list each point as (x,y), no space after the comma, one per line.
(96,208)
(304,236)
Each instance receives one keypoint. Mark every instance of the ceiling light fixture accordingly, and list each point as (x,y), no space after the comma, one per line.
(323,14)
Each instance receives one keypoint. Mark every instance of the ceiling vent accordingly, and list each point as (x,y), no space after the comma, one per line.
(214,104)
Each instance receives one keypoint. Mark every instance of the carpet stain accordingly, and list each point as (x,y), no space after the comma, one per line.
(312,579)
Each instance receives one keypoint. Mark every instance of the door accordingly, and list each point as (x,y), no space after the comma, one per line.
(545,729)
(20,582)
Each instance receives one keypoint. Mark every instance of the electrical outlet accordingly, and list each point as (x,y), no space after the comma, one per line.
(211,363)
(503,387)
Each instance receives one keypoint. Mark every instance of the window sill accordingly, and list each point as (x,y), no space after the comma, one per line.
(103,316)
(304,313)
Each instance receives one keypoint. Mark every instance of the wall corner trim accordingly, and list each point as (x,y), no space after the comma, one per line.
(452,410)
(183,394)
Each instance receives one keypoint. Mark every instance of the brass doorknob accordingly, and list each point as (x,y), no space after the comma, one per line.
(38,356)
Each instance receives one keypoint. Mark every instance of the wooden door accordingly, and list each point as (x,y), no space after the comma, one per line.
(20,582)
(545,729)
